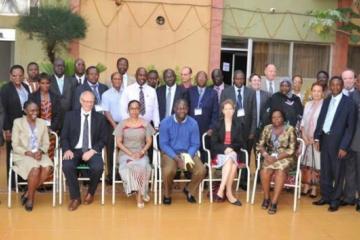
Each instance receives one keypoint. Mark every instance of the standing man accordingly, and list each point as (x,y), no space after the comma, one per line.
(111,104)
(122,65)
(62,86)
(82,139)
(186,75)
(79,75)
(145,94)
(153,79)
(271,84)
(169,93)
(218,82)
(92,84)
(350,185)
(32,80)
(333,136)
(179,134)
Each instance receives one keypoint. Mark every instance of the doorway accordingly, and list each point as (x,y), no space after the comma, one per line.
(232,61)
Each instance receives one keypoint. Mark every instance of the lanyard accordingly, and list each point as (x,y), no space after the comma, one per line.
(200,97)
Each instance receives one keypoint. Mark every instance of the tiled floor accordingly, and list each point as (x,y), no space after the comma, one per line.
(179,221)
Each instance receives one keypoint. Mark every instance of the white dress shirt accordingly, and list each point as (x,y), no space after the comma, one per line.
(60,83)
(347,92)
(80,142)
(151,102)
(111,102)
(173,90)
(333,105)
(125,80)
(272,83)
(80,79)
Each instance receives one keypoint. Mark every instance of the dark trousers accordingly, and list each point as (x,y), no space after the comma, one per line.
(350,177)
(332,170)
(110,152)
(96,166)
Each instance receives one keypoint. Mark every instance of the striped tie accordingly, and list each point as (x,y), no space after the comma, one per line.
(142,101)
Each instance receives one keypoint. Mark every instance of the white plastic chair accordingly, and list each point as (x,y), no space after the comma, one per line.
(158,172)
(55,173)
(210,167)
(114,181)
(62,180)
(296,186)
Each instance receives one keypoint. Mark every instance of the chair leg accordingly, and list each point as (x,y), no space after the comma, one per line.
(103,188)
(9,188)
(160,186)
(16,183)
(113,186)
(210,185)
(54,189)
(200,192)
(248,185)
(238,180)
(152,181)
(254,187)
(155,186)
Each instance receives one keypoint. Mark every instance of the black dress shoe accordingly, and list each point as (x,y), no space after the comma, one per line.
(333,207)
(167,200)
(265,204)
(357,208)
(236,203)
(272,208)
(189,197)
(345,203)
(320,202)
(28,206)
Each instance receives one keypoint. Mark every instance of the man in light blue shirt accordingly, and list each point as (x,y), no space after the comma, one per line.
(111,102)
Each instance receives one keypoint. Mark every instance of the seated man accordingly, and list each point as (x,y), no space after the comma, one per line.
(179,134)
(82,139)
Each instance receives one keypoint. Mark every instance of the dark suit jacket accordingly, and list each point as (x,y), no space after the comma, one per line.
(343,125)
(68,91)
(161,96)
(86,87)
(249,103)
(2,116)
(11,103)
(56,114)
(209,105)
(70,133)
(76,80)
(355,145)
(218,138)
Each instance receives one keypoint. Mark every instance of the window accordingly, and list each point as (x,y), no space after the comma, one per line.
(271,52)
(308,59)
(17,7)
(353,58)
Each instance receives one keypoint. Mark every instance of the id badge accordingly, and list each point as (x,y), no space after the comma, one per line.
(98,108)
(240,112)
(48,123)
(198,111)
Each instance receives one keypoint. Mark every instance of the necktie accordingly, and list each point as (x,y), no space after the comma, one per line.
(239,100)
(217,89)
(96,93)
(142,101)
(168,103)
(271,88)
(85,143)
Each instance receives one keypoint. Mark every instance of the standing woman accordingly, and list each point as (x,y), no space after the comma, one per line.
(277,147)
(226,143)
(308,125)
(49,110)
(134,138)
(30,142)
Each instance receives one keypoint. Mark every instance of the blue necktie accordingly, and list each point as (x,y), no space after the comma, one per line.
(239,100)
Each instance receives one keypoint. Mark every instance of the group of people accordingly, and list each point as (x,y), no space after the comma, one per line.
(264,116)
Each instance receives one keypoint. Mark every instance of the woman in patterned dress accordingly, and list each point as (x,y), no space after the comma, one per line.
(277,146)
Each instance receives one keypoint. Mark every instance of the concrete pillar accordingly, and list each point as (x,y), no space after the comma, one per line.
(215,34)
(74,45)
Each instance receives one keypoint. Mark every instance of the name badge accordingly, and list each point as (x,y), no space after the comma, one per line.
(240,112)
(198,111)
(98,108)
(48,123)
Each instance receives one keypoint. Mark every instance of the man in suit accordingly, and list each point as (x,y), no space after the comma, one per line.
(32,71)
(63,86)
(82,139)
(186,75)
(349,194)
(218,82)
(333,136)
(271,84)
(245,99)
(355,146)
(92,84)
(261,98)
(13,96)
(153,79)
(79,75)
(169,93)
(122,65)
(2,116)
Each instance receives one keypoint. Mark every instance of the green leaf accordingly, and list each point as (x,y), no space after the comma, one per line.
(354,38)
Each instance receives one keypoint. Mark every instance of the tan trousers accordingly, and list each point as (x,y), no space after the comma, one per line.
(169,168)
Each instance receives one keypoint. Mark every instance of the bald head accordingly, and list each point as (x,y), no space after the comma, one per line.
(270,72)
(349,79)
(87,100)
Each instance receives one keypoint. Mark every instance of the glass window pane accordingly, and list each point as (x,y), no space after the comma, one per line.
(308,59)
(234,43)
(353,58)
(271,52)
(17,7)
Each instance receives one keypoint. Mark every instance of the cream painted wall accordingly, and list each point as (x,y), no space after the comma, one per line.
(240,23)
(115,32)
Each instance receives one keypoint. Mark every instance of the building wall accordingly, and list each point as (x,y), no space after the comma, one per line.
(130,30)
(240,22)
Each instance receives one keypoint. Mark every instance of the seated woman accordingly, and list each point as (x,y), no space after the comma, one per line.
(49,104)
(225,146)
(30,142)
(277,146)
(134,138)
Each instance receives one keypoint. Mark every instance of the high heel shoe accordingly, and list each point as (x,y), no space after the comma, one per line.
(140,205)
(217,198)
(23,199)
(146,198)
(265,204)
(236,203)
(272,208)
(28,206)
(304,193)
